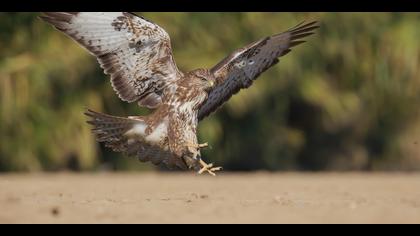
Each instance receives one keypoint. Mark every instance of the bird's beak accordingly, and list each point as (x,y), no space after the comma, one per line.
(211,83)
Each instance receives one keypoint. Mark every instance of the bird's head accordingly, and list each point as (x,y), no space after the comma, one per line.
(203,78)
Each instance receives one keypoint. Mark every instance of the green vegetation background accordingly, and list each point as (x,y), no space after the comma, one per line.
(348,99)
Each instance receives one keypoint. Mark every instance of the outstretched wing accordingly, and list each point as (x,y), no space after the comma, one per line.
(134,51)
(242,67)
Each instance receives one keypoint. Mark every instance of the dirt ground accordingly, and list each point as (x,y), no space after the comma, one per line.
(228,198)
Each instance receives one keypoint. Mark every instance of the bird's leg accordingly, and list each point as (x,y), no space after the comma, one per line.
(194,148)
(193,156)
(204,167)
(195,153)
(208,167)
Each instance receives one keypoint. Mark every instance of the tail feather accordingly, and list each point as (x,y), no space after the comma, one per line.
(109,129)
(113,131)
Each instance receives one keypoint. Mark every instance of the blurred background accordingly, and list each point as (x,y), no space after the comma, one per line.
(348,99)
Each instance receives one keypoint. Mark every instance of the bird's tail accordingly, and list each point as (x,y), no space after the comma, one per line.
(110,128)
(126,135)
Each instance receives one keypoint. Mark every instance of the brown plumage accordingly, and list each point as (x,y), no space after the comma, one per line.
(137,55)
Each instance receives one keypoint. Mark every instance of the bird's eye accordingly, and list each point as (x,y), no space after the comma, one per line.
(203,78)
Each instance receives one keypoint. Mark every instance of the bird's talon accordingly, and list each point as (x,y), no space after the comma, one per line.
(201,171)
(199,145)
(208,167)
(203,145)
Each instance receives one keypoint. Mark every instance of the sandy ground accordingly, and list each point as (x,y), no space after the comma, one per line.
(227,198)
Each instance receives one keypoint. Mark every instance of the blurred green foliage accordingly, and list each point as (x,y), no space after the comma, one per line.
(348,99)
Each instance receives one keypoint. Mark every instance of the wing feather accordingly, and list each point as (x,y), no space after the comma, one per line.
(238,70)
(135,52)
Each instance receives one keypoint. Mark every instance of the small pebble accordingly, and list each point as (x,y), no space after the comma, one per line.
(55,211)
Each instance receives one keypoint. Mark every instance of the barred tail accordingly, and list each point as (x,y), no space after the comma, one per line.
(121,134)
(109,128)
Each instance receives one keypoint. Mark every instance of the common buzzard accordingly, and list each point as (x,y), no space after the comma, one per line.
(137,55)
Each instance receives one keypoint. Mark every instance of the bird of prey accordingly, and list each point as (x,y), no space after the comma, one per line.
(137,55)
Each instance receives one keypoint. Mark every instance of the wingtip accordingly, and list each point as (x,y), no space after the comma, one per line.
(58,18)
(302,30)
(89,112)
(45,18)
(297,42)
(305,26)
(91,122)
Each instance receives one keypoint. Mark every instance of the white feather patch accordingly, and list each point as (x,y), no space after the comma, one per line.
(158,134)
(138,130)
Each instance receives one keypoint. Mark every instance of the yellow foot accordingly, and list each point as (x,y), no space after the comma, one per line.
(198,145)
(208,167)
